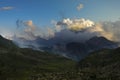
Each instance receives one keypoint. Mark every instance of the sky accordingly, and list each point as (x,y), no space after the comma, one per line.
(43,13)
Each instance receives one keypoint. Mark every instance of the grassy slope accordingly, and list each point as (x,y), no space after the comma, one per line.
(102,65)
(23,63)
(26,64)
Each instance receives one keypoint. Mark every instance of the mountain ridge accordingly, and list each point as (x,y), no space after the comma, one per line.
(91,45)
(55,45)
(5,43)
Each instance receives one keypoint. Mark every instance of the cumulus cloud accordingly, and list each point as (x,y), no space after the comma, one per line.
(30,26)
(6,8)
(27,29)
(30,31)
(88,28)
(79,7)
(99,30)
(76,24)
(112,28)
(69,30)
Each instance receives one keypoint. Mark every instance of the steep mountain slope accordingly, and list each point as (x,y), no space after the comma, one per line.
(103,65)
(4,43)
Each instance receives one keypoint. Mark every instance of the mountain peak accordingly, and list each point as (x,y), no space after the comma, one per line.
(1,37)
(100,41)
(98,38)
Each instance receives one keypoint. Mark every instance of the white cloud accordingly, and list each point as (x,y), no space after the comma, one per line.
(112,28)
(74,29)
(88,28)
(30,26)
(28,29)
(76,24)
(6,8)
(99,30)
(79,7)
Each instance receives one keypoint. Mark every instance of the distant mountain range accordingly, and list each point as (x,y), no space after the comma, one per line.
(70,49)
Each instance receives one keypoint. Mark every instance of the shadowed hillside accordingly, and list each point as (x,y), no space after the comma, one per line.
(5,43)
(23,64)
(102,65)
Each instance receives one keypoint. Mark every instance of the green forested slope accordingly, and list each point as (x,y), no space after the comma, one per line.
(22,64)
(103,64)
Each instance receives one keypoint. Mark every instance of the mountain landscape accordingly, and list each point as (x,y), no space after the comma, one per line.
(28,64)
(75,50)
(59,40)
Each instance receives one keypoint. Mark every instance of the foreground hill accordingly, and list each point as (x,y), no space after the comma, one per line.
(25,64)
(102,65)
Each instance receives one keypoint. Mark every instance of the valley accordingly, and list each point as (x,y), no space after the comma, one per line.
(27,64)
